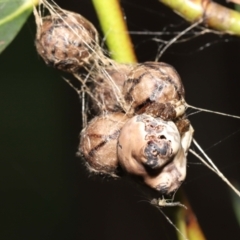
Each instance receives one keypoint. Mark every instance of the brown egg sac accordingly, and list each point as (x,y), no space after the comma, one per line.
(98,143)
(154,88)
(171,176)
(108,86)
(146,146)
(66,40)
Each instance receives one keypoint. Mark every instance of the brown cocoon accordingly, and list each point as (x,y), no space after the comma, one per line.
(108,86)
(153,88)
(98,142)
(171,176)
(146,145)
(66,40)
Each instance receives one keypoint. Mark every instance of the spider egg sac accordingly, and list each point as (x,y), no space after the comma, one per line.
(66,40)
(154,88)
(171,176)
(146,146)
(108,86)
(98,142)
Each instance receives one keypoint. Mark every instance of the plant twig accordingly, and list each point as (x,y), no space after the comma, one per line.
(213,14)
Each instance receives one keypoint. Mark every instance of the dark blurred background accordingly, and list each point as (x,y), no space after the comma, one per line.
(46,193)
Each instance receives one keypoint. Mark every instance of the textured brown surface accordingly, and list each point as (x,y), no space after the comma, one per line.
(108,84)
(152,83)
(66,40)
(151,149)
(99,142)
(171,176)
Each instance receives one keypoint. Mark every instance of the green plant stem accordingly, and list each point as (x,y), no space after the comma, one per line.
(115,29)
(186,221)
(214,15)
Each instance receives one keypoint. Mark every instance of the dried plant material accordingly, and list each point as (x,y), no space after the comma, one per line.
(155,89)
(98,142)
(66,40)
(151,149)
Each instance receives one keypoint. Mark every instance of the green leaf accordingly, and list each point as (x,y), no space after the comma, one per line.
(13,14)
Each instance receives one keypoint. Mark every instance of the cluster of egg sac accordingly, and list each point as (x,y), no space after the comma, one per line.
(145,138)
(140,123)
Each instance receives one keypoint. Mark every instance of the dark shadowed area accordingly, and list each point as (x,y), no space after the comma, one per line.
(46,192)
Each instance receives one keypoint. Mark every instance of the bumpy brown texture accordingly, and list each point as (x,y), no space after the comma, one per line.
(66,41)
(151,149)
(183,125)
(145,145)
(98,142)
(170,178)
(153,88)
(108,85)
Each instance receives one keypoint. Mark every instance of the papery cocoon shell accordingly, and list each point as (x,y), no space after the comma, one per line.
(171,176)
(108,86)
(153,88)
(98,143)
(66,40)
(146,145)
